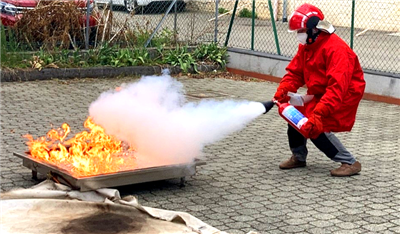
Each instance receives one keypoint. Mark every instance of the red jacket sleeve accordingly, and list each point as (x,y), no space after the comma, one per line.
(294,71)
(339,70)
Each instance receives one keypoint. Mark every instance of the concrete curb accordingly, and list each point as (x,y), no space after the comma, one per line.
(93,72)
(366,96)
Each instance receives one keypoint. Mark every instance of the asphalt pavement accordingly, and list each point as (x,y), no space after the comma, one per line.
(241,188)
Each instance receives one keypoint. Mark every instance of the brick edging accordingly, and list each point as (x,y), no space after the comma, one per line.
(367,96)
(92,72)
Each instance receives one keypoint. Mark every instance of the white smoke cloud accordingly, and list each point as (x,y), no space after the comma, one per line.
(154,116)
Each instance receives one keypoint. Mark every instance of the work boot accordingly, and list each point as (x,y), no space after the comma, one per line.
(291,163)
(347,169)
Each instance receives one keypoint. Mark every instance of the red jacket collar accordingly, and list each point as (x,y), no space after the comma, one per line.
(322,37)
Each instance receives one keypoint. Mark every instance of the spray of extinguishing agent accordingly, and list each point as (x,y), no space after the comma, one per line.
(288,112)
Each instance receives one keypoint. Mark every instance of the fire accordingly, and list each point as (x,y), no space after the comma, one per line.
(88,153)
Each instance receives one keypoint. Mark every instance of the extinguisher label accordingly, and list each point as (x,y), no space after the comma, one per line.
(294,116)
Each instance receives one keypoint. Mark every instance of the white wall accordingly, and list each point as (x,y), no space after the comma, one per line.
(261,63)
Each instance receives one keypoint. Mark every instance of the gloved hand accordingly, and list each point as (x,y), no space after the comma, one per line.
(282,91)
(314,126)
(322,110)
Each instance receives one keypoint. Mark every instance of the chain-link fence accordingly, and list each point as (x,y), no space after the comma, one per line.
(374,32)
(188,22)
(370,27)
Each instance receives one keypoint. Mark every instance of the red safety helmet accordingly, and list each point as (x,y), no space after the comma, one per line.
(305,16)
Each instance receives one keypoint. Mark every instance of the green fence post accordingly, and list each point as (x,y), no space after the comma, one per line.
(274,27)
(231,23)
(353,6)
(87,25)
(253,16)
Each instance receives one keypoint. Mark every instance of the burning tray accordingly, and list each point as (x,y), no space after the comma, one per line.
(114,179)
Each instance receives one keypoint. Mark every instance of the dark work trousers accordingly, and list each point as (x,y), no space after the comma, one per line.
(327,142)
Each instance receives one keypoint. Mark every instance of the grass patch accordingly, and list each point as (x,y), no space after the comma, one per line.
(115,56)
(13,54)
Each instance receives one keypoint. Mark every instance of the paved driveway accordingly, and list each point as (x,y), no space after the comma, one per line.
(241,188)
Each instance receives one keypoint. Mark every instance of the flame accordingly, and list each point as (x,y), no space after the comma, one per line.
(88,153)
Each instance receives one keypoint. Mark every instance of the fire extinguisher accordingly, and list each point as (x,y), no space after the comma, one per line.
(293,116)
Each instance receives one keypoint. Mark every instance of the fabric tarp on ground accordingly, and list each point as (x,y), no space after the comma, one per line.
(54,208)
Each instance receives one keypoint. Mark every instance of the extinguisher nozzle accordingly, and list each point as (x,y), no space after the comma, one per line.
(268,105)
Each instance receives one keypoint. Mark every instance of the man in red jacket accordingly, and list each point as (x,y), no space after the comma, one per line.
(333,75)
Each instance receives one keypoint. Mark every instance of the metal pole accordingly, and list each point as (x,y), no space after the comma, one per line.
(353,6)
(175,20)
(284,10)
(175,16)
(161,22)
(231,23)
(87,25)
(110,12)
(216,21)
(253,16)
(274,27)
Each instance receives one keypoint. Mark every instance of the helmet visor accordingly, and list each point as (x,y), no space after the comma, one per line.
(324,25)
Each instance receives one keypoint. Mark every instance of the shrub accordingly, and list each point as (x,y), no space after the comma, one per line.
(211,53)
(51,24)
(181,57)
(246,13)
(222,10)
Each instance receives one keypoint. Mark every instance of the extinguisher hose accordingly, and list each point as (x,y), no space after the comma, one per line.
(268,106)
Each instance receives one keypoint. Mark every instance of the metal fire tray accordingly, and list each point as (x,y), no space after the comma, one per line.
(114,179)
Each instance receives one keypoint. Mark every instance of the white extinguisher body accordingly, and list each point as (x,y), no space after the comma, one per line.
(293,116)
